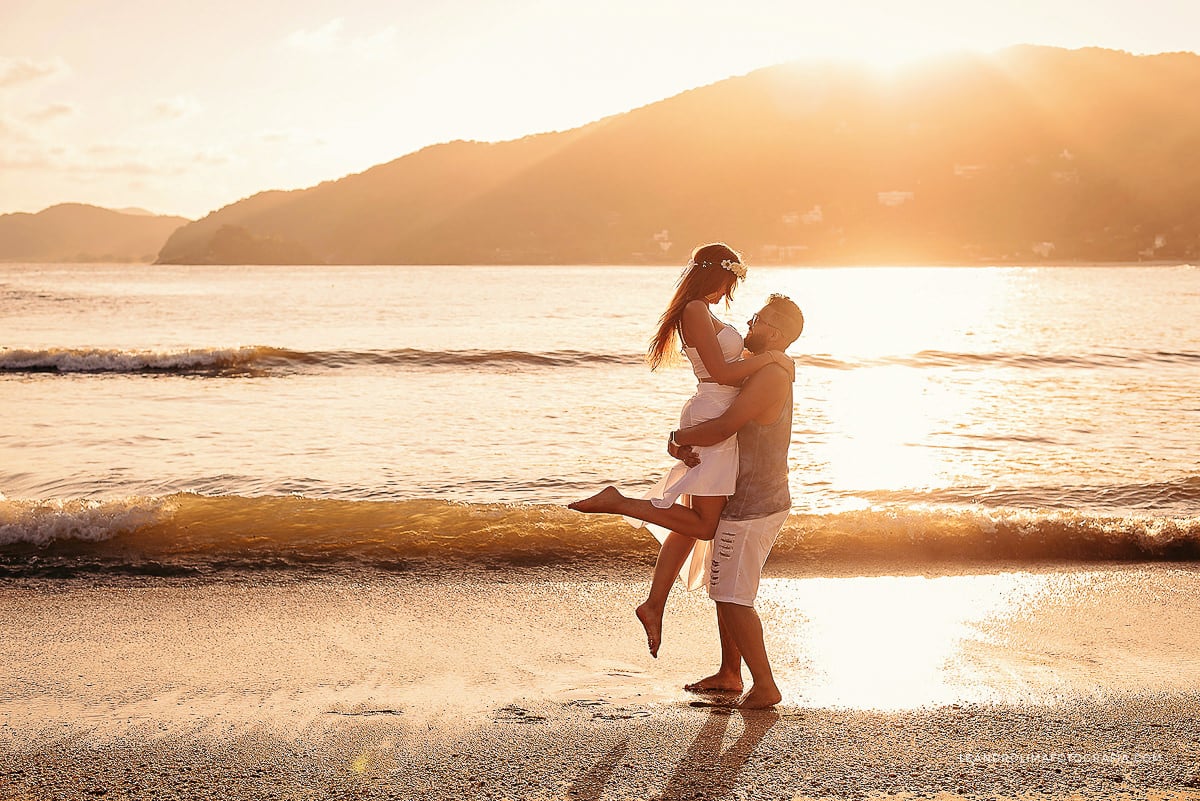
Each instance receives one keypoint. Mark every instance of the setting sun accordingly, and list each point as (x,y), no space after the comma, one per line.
(300,95)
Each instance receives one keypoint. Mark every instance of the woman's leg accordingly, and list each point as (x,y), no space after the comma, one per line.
(698,521)
(671,556)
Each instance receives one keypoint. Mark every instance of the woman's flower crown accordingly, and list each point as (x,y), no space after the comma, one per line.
(735,267)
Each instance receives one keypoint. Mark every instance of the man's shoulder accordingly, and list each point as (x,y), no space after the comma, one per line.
(771,381)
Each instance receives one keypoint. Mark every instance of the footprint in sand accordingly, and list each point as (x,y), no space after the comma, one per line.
(621,714)
(515,714)
(587,702)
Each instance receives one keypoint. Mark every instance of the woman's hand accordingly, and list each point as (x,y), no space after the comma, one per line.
(784,361)
(684,453)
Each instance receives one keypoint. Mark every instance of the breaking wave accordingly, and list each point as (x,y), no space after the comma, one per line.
(189,534)
(264,360)
(1130,359)
(1180,495)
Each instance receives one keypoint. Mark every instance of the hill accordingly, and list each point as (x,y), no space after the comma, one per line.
(74,232)
(1032,153)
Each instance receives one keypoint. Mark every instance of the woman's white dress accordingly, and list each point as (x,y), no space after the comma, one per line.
(717,472)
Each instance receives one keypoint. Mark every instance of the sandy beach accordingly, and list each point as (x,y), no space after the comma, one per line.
(535,684)
(670,752)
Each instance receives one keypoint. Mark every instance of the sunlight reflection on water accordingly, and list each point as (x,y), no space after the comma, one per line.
(897,641)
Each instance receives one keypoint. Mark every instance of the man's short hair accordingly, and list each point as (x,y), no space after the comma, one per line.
(784,310)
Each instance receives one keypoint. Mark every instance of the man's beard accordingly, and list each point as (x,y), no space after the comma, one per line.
(756,341)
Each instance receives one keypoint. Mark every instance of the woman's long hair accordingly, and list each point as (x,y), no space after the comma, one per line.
(704,276)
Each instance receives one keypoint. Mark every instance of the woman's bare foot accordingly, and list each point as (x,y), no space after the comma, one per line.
(651,620)
(717,683)
(761,698)
(604,501)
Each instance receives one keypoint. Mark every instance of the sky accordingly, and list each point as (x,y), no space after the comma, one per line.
(184,107)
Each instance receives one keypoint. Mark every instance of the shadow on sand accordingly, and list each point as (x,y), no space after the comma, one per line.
(704,772)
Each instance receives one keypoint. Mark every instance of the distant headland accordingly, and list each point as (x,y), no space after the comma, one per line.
(75,232)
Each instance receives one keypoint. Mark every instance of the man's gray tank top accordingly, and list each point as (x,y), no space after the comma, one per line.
(762,482)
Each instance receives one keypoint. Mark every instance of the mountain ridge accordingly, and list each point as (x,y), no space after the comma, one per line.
(1031,154)
(79,232)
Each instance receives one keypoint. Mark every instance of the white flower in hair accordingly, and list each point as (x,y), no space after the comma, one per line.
(737,268)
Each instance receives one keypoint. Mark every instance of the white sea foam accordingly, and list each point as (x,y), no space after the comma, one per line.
(101,360)
(42,522)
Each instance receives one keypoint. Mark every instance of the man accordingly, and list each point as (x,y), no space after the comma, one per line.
(761,416)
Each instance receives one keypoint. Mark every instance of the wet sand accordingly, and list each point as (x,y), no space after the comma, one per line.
(536,684)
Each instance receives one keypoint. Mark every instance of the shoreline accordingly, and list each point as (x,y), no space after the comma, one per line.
(632,566)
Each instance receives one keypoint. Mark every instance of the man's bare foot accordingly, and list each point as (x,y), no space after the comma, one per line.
(760,698)
(604,501)
(717,683)
(651,620)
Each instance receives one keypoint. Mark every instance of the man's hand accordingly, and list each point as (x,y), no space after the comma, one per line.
(784,361)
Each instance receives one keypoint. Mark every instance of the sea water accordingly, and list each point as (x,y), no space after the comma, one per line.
(166,418)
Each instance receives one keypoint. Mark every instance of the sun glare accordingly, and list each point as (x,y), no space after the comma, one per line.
(880,53)
(884,421)
(896,642)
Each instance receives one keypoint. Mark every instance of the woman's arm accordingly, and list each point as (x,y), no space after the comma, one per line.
(762,394)
(698,333)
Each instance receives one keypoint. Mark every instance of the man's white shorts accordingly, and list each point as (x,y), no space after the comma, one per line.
(739,551)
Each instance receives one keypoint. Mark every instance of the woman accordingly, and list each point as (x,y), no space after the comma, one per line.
(684,508)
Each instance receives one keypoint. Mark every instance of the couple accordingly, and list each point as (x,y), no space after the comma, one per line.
(718,511)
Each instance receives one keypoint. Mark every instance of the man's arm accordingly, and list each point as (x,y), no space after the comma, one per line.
(763,389)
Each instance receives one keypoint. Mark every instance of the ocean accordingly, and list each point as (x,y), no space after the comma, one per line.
(201,420)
